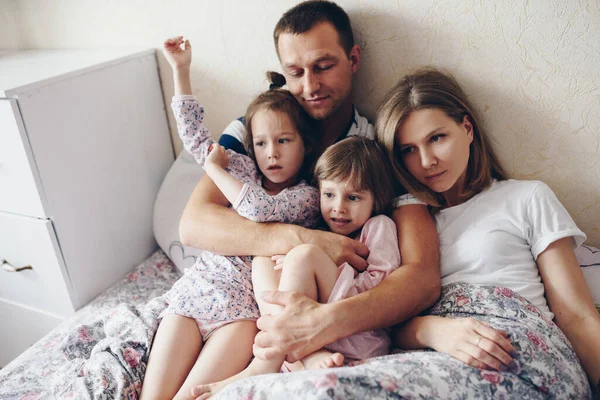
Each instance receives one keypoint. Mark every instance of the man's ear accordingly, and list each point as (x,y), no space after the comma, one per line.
(354,58)
(469,128)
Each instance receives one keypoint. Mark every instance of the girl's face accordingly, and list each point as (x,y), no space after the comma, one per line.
(278,147)
(435,150)
(345,209)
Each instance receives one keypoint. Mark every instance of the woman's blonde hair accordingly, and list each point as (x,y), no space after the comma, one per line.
(428,88)
(361,162)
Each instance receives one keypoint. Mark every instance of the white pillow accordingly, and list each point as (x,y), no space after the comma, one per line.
(185,173)
(589,261)
(172,197)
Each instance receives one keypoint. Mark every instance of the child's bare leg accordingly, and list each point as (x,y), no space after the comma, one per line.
(226,352)
(175,349)
(312,261)
(265,278)
(307,269)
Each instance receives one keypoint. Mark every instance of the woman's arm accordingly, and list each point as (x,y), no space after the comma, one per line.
(208,224)
(571,302)
(466,339)
(305,326)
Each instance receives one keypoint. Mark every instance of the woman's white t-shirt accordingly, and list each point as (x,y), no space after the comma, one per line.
(495,237)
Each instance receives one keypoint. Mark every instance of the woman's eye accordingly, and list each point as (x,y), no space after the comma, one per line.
(285,140)
(354,198)
(437,138)
(407,150)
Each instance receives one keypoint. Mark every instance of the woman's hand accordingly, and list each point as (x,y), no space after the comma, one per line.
(299,330)
(472,342)
(176,55)
(217,157)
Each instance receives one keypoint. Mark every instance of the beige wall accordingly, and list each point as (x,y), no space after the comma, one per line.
(531,66)
(10,34)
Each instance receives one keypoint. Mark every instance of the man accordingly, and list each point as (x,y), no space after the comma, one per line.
(315,45)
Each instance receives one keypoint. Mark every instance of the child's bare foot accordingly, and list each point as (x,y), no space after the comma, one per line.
(203,392)
(256,367)
(323,359)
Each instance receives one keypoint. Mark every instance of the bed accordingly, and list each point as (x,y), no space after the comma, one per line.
(101,353)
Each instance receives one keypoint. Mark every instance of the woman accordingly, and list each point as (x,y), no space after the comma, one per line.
(493,231)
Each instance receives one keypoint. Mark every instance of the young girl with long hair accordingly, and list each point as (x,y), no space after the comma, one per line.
(207,330)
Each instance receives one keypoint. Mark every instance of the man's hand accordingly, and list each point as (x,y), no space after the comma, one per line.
(176,55)
(299,330)
(341,248)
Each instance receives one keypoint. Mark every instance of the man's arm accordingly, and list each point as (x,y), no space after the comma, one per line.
(305,326)
(208,224)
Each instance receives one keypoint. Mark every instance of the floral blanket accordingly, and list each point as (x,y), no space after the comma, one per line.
(546,366)
(101,353)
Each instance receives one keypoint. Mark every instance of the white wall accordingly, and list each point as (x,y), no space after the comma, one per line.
(531,66)
(10,34)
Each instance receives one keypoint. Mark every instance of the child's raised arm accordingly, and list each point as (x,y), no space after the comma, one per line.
(180,60)
(215,165)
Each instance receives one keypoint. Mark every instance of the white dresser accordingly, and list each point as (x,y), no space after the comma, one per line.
(84,147)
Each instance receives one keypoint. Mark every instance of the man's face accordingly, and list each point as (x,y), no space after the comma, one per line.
(317,70)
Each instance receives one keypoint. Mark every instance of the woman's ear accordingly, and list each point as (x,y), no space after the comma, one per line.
(468,127)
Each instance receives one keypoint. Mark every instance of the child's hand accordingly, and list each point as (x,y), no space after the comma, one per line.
(217,156)
(278,258)
(175,55)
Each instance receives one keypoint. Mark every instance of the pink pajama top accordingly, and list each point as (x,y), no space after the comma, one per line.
(380,235)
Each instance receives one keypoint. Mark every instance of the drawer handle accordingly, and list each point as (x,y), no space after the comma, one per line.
(10,268)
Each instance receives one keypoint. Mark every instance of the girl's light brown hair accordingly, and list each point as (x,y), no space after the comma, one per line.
(428,88)
(363,164)
(282,101)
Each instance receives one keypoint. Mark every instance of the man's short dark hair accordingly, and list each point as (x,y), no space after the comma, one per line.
(304,16)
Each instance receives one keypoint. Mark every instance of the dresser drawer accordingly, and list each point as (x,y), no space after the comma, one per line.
(18,188)
(31,241)
(26,327)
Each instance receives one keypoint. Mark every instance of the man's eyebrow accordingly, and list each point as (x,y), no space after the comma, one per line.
(325,57)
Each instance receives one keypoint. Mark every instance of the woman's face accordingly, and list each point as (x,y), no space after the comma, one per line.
(435,150)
